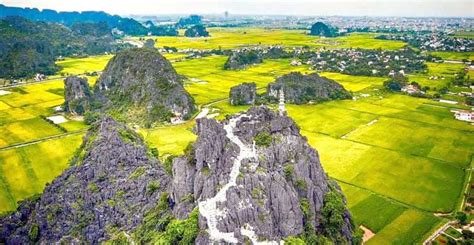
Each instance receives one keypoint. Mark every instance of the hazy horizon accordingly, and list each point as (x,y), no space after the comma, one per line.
(417,8)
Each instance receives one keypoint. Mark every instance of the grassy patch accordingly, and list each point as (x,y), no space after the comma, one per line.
(25,171)
(76,66)
(410,227)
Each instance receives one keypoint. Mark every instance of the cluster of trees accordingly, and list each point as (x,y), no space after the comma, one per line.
(396,83)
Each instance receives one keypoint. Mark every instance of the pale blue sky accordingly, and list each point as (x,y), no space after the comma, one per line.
(464,8)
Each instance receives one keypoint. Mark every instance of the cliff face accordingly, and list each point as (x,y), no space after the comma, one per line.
(243,94)
(300,89)
(254,177)
(112,183)
(77,95)
(142,85)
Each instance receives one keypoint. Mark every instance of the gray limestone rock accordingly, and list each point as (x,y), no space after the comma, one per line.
(243,94)
(267,196)
(77,95)
(112,183)
(143,86)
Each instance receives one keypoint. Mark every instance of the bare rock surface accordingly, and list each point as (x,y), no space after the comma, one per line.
(263,200)
(243,94)
(250,178)
(112,183)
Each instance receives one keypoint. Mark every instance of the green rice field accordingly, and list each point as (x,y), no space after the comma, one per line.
(399,159)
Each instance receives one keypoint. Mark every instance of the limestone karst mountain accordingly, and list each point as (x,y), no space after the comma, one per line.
(250,178)
(243,94)
(254,177)
(77,95)
(323,30)
(239,59)
(142,86)
(112,182)
(300,88)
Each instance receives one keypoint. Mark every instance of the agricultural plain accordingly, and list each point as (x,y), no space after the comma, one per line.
(399,160)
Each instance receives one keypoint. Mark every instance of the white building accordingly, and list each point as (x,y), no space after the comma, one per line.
(464,115)
(410,89)
(281,105)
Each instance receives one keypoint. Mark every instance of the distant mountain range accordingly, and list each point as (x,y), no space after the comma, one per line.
(128,26)
(31,40)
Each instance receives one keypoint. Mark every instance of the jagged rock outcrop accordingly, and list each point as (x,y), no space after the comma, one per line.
(254,177)
(142,86)
(300,89)
(112,183)
(240,59)
(196,31)
(77,95)
(243,94)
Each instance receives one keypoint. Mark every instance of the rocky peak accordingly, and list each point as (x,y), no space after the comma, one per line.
(142,85)
(112,183)
(77,95)
(243,94)
(255,178)
(299,88)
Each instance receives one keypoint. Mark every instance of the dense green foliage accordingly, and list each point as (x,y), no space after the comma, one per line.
(333,214)
(263,139)
(159,226)
(396,83)
(28,47)
(128,26)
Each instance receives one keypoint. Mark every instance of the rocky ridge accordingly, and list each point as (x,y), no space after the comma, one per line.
(254,177)
(112,182)
(250,178)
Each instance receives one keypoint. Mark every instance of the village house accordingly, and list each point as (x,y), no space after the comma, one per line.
(39,77)
(464,115)
(411,89)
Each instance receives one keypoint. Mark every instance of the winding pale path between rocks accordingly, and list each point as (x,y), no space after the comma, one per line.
(208,208)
